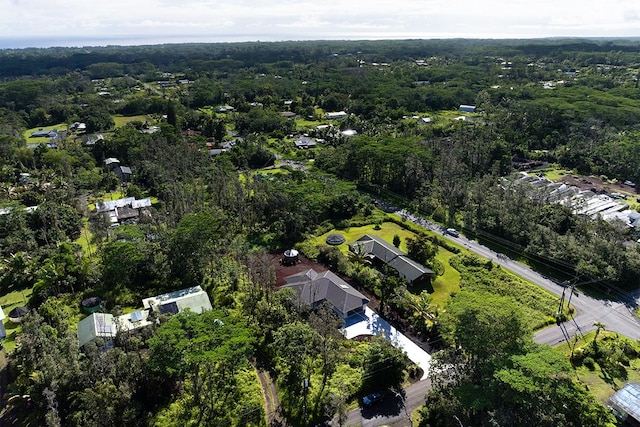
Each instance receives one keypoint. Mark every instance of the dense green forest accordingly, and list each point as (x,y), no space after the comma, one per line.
(199,131)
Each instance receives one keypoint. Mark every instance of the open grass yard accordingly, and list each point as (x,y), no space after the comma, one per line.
(123,120)
(609,372)
(9,301)
(537,306)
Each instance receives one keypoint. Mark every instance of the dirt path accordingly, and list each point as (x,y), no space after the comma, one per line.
(271,401)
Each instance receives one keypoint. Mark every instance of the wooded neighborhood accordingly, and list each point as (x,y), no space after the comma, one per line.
(321,233)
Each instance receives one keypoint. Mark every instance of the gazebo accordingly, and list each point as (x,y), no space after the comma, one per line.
(290,257)
(335,239)
(16,315)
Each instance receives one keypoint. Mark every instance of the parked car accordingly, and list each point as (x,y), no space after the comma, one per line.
(372,398)
(453,232)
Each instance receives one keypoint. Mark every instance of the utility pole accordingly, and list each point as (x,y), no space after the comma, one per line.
(571,294)
(561,306)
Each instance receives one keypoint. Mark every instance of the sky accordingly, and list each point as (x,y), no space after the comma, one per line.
(45,23)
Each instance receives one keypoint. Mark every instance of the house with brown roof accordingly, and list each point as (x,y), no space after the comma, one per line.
(316,288)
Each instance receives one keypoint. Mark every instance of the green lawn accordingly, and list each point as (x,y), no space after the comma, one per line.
(85,238)
(554,172)
(9,302)
(600,384)
(123,120)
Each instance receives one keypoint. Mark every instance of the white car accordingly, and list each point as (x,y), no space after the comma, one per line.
(453,232)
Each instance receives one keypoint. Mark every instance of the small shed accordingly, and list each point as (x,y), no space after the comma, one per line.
(335,239)
(16,315)
(467,108)
(290,257)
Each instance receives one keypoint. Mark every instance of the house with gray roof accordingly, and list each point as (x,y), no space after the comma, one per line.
(625,404)
(383,252)
(316,288)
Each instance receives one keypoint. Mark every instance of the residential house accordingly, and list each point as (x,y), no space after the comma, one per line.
(305,142)
(194,299)
(382,252)
(111,163)
(316,288)
(225,109)
(99,328)
(625,404)
(127,208)
(288,114)
(43,133)
(336,115)
(123,172)
(92,139)
(467,108)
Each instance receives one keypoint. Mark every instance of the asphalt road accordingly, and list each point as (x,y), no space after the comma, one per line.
(616,316)
(390,411)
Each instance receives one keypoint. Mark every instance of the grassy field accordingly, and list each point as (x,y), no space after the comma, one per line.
(85,239)
(123,120)
(601,383)
(554,172)
(9,301)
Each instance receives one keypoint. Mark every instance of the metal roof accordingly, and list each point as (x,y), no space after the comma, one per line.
(313,287)
(627,400)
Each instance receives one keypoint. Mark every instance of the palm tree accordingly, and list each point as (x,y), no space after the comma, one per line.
(599,327)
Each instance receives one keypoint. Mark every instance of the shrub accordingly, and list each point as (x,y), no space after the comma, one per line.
(589,363)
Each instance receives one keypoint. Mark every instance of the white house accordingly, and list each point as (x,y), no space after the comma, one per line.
(97,325)
(3,332)
(194,299)
(336,115)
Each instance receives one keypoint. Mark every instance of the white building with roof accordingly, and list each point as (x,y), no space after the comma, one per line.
(3,332)
(96,326)
(194,299)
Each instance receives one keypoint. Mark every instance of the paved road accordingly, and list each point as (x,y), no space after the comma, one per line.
(390,411)
(616,316)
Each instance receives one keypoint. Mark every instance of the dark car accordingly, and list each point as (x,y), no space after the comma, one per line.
(372,398)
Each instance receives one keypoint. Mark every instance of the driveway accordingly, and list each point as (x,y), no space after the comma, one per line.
(369,323)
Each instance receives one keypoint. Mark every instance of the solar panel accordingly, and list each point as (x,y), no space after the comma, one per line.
(169,308)
(136,316)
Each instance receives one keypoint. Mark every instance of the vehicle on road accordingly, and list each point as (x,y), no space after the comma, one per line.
(372,398)
(453,232)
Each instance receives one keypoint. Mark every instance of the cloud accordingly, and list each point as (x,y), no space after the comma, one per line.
(330,19)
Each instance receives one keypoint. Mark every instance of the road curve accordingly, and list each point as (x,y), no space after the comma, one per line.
(616,316)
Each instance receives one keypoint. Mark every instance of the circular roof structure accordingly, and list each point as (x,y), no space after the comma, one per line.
(291,253)
(91,302)
(335,239)
(18,312)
